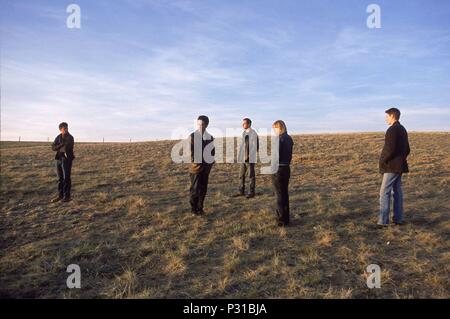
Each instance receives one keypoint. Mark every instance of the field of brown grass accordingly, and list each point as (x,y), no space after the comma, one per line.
(130,229)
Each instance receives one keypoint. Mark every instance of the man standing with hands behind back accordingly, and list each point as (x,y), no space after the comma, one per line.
(202,160)
(248,152)
(392,165)
(63,146)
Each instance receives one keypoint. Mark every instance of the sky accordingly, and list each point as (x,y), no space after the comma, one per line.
(145,69)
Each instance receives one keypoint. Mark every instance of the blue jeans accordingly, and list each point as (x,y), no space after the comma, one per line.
(392,182)
(64,170)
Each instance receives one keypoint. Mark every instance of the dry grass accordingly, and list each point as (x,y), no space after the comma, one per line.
(130,230)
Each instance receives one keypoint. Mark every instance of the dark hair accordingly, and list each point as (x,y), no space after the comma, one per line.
(63,125)
(249,122)
(204,118)
(394,111)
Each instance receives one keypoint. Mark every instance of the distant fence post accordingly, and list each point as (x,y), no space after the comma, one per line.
(19,139)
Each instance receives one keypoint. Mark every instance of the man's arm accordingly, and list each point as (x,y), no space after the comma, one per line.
(191,141)
(56,146)
(69,142)
(390,143)
(213,151)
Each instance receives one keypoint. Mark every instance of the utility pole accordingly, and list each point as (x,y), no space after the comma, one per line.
(19,139)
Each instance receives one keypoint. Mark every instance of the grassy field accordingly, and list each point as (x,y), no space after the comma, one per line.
(130,229)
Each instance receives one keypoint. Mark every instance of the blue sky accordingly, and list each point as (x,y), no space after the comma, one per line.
(141,68)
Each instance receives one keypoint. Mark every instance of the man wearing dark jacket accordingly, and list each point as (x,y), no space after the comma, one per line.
(392,165)
(63,146)
(248,157)
(202,160)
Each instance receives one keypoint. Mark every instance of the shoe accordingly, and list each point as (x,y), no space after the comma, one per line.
(194,212)
(201,211)
(399,223)
(56,199)
(238,195)
(281,224)
(250,196)
(382,226)
(67,199)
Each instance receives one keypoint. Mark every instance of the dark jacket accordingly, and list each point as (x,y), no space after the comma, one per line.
(395,150)
(66,143)
(249,145)
(286,146)
(198,164)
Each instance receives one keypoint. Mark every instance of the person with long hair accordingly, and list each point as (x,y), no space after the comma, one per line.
(280,179)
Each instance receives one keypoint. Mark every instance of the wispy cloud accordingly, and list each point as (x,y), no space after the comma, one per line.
(164,62)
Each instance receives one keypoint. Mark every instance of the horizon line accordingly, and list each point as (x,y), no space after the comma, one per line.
(170,139)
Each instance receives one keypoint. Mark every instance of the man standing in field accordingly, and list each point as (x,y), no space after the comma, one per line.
(63,146)
(392,165)
(202,160)
(247,157)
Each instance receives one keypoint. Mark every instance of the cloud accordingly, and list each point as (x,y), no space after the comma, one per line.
(228,61)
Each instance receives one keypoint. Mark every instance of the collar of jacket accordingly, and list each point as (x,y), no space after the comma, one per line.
(205,136)
(250,130)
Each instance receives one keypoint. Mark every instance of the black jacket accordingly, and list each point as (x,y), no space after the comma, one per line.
(206,140)
(249,146)
(286,146)
(66,142)
(395,150)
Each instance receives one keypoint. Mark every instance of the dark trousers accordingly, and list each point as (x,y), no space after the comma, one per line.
(64,169)
(280,181)
(242,173)
(199,188)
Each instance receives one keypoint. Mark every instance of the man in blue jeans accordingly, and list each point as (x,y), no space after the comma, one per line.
(392,165)
(63,146)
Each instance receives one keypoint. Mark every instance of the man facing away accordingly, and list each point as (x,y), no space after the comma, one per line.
(248,157)
(392,165)
(202,159)
(63,146)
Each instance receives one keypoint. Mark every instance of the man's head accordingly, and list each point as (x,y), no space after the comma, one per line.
(392,115)
(63,128)
(246,123)
(279,127)
(202,123)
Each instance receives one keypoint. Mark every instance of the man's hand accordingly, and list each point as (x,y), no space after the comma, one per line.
(56,147)
(196,168)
